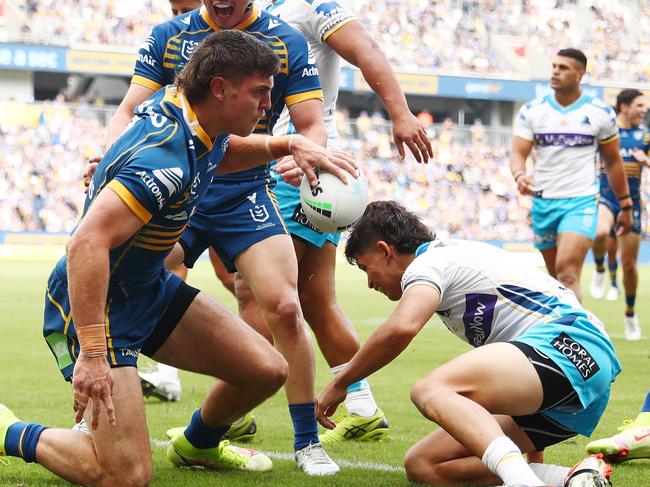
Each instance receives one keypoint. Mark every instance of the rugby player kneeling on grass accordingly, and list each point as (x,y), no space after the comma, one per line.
(540,371)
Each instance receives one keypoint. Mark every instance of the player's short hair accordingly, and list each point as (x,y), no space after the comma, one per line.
(391,222)
(626,97)
(231,54)
(576,54)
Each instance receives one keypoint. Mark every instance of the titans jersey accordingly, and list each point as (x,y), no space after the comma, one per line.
(160,167)
(317,20)
(484,296)
(631,140)
(566,141)
(169,46)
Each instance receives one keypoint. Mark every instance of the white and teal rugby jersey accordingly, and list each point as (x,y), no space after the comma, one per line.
(487,295)
(566,140)
(317,20)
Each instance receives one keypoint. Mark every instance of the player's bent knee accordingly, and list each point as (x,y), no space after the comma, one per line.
(419,467)
(424,396)
(134,475)
(272,374)
(286,310)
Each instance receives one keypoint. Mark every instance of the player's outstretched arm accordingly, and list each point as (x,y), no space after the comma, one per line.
(415,309)
(107,224)
(307,118)
(353,43)
(247,152)
(519,152)
(613,163)
(134,96)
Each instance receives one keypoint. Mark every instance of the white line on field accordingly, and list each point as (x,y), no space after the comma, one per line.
(289,457)
(612,335)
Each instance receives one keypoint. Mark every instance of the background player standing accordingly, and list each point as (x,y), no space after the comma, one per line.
(564,130)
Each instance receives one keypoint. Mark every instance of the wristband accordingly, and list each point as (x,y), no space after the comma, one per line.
(626,208)
(621,198)
(285,138)
(520,174)
(92,340)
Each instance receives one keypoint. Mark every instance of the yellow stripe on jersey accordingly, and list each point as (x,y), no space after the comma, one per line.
(276,206)
(335,29)
(307,95)
(173,96)
(134,205)
(153,247)
(632,169)
(155,233)
(171,240)
(146,82)
(279,48)
(607,141)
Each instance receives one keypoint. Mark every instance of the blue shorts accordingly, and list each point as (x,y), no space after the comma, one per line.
(231,217)
(295,219)
(551,217)
(587,359)
(135,324)
(609,199)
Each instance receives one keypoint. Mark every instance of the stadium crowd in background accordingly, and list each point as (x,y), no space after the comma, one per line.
(39,193)
(448,35)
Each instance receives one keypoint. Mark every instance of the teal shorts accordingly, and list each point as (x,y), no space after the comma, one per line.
(551,217)
(587,359)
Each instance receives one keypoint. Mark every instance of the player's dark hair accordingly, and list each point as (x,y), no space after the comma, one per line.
(391,222)
(576,54)
(231,54)
(626,97)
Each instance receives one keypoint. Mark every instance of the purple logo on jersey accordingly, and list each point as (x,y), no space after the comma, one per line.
(564,140)
(479,313)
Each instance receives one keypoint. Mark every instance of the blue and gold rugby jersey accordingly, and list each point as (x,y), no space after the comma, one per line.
(160,167)
(631,139)
(169,46)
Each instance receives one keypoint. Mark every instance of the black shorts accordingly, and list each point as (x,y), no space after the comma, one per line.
(182,299)
(542,430)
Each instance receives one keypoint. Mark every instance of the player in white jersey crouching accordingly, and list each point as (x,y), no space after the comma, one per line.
(540,373)
(565,130)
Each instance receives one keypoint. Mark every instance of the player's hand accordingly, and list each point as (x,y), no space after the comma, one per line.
(410,131)
(640,156)
(624,222)
(307,154)
(525,185)
(92,385)
(287,168)
(327,402)
(90,171)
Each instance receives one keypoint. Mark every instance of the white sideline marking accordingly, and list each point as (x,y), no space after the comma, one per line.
(289,457)
(612,335)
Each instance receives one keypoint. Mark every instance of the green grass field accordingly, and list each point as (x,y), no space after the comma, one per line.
(31,385)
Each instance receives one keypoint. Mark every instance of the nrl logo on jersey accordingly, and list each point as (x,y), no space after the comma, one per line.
(187,48)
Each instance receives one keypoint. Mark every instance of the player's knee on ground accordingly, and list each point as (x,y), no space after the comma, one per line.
(420,467)
(133,474)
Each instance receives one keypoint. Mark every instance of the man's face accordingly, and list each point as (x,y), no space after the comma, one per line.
(382,277)
(566,73)
(226,13)
(248,99)
(180,7)
(635,111)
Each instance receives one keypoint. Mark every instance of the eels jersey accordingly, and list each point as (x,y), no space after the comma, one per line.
(566,141)
(169,46)
(160,167)
(631,139)
(317,20)
(484,297)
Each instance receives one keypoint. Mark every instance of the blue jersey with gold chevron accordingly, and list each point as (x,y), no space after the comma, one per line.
(169,46)
(160,167)
(632,139)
